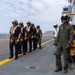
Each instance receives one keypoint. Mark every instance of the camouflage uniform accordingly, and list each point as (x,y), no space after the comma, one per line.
(21,37)
(29,30)
(34,37)
(25,41)
(38,36)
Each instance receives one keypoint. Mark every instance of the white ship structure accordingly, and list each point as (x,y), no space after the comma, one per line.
(70,10)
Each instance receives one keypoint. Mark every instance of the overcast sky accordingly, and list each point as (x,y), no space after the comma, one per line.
(40,12)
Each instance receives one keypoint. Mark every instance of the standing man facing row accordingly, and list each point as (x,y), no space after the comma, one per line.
(63,41)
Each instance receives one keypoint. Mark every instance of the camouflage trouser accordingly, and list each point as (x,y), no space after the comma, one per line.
(39,42)
(66,53)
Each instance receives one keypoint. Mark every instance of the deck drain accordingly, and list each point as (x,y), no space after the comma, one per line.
(33,67)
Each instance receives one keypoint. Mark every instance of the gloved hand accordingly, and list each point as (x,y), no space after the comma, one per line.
(68,46)
(55,43)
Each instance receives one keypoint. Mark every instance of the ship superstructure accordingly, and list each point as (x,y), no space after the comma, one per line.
(70,10)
